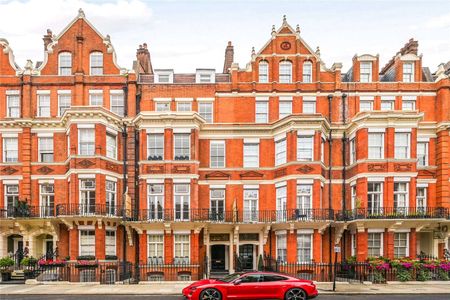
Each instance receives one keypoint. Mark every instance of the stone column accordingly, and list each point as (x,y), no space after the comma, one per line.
(231,253)
(3,245)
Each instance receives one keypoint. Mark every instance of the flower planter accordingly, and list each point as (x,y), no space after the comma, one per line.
(48,266)
(93,266)
(6,275)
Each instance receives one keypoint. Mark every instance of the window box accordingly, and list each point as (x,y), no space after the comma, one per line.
(86,264)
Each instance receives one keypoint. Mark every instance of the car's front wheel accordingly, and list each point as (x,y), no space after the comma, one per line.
(210,294)
(295,294)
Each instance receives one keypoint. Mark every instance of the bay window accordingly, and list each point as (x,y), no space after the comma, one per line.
(402,141)
(155,146)
(182,248)
(182,145)
(305,147)
(280,152)
(376,145)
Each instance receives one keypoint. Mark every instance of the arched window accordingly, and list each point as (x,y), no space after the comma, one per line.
(65,63)
(96,63)
(307,72)
(285,72)
(263,71)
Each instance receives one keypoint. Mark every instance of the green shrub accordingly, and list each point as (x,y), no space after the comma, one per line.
(404,275)
(28,261)
(423,275)
(6,262)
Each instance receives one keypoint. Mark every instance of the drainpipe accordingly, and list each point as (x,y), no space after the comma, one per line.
(124,184)
(136,200)
(330,148)
(344,170)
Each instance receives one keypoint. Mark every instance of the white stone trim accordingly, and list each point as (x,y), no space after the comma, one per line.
(86,176)
(184,99)
(85,126)
(182,130)
(111,178)
(376,230)
(205,99)
(305,231)
(181,180)
(251,140)
(43,92)
(162,99)
(64,92)
(12,92)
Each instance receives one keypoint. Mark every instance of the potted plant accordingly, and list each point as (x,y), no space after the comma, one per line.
(111,257)
(6,267)
(86,264)
(378,267)
(48,263)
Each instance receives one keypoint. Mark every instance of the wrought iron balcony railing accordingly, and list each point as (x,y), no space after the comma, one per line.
(88,210)
(394,213)
(252,216)
(28,212)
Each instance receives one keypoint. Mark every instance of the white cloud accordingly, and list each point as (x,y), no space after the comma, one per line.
(23,23)
(439,22)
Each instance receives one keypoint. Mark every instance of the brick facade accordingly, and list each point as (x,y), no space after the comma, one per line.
(312,157)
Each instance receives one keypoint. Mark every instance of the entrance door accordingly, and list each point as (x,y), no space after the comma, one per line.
(217,257)
(49,249)
(246,256)
(19,252)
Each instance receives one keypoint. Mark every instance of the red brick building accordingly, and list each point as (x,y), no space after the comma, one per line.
(285,157)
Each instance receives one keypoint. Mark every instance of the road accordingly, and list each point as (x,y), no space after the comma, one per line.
(155,297)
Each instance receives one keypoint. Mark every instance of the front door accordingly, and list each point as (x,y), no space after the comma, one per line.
(246,256)
(19,252)
(217,257)
(49,249)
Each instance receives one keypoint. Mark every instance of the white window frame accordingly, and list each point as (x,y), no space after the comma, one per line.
(353,150)
(305,143)
(45,150)
(375,207)
(353,244)
(263,71)
(86,149)
(365,71)
(111,197)
(422,156)
(155,144)
(304,247)
(251,204)
(46,199)
(117,102)
(63,97)
(380,234)
(304,198)
(284,107)
(181,198)
(285,71)
(180,140)
(281,202)
(206,111)
(13,111)
(261,111)
(111,148)
(280,152)
(157,240)
(81,251)
(217,151)
(409,103)
(399,149)
(183,250)
(408,77)
(396,246)
(421,198)
(281,247)
(184,106)
(96,64)
(248,155)
(44,105)
(202,75)
(14,143)
(110,242)
(366,104)
(379,148)
(401,195)
(162,106)
(95,96)
(159,74)
(387,100)
(89,207)
(217,203)
(307,72)
(155,201)
(309,105)
(65,70)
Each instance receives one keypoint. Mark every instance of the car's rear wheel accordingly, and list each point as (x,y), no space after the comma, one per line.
(210,294)
(295,294)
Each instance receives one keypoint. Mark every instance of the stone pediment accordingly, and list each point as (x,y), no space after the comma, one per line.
(217,175)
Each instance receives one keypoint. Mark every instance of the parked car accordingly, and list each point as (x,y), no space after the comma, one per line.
(251,285)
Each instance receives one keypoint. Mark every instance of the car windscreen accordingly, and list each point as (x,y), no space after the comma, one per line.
(231,277)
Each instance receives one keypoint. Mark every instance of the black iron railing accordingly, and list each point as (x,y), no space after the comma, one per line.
(394,213)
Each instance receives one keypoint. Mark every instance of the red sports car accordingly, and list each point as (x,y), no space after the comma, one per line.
(253,285)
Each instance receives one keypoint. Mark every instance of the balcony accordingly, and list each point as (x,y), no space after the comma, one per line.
(28,212)
(256,216)
(88,210)
(394,213)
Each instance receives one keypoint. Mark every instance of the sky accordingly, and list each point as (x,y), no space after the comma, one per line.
(185,35)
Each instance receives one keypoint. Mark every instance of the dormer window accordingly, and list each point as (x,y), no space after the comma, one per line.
(263,71)
(307,72)
(65,63)
(163,76)
(285,72)
(365,71)
(205,76)
(96,63)
(408,72)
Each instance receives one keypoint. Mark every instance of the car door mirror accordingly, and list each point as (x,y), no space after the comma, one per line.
(237,282)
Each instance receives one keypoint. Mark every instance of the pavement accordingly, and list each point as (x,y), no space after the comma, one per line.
(170,297)
(174,288)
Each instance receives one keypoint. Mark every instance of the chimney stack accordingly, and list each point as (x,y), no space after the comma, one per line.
(143,60)
(47,39)
(229,56)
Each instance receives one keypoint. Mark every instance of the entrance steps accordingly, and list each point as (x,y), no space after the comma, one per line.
(18,275)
